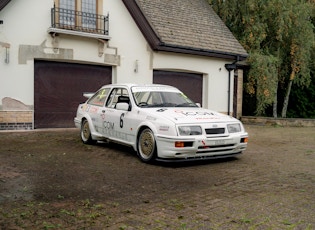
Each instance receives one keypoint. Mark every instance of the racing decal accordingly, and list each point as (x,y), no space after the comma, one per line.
(103,116)
(206,118)
(164,128)
(193,113)
(121,121)
(108,129)
(93,109)
(108,125)
(84,107)
(161,110)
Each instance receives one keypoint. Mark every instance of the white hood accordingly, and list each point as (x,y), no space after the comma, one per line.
(190,115)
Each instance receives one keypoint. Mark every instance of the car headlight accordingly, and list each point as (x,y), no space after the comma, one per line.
(189,130)
(234,128)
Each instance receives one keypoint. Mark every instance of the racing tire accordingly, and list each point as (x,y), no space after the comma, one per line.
(147,146)
(85,132)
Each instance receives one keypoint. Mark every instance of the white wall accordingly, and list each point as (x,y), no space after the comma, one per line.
(23,23)
(26,23)
(131,44)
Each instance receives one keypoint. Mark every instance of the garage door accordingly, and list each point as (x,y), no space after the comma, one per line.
(58,89)
(189,83)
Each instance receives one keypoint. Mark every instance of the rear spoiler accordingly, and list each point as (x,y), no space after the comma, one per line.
(88,94)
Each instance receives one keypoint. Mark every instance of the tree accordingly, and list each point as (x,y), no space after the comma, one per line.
(279,37)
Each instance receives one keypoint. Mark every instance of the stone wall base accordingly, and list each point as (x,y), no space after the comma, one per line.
(16,120)
(293,122)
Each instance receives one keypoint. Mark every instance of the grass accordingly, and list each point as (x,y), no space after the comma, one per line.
(49,216)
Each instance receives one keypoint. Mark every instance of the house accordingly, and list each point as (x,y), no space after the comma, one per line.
(51,51)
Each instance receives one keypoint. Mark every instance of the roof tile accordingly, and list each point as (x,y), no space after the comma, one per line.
(190,23)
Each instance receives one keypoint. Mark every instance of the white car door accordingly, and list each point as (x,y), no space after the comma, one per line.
(117,125)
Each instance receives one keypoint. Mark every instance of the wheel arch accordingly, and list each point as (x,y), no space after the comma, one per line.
(143,126)
(91,126)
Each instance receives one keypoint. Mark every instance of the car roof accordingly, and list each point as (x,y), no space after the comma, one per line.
(129,85)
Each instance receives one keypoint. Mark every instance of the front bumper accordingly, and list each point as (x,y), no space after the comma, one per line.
(77,122)
(200,147)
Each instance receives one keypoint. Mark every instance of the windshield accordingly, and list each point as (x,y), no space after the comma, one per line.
(161,98)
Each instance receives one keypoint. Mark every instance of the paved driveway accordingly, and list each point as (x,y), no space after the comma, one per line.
(50,180)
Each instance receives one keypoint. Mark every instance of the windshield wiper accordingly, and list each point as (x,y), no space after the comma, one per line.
(162,105)
(187,105)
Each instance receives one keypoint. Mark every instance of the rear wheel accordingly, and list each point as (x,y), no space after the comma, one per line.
(86,133)
(147,145)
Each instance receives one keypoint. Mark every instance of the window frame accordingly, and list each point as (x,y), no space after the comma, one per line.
(113,96)
(78,19)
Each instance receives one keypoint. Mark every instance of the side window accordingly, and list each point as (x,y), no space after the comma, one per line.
(99,98)
(115,95)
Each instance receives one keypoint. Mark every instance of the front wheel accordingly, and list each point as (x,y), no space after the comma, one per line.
(86,136)
(147,146)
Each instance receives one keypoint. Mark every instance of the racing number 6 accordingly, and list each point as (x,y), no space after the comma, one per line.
(121,123)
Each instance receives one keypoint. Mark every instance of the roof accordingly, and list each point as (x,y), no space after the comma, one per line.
(3,3)
(185,26)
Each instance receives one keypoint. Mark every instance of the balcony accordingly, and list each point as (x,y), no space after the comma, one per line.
(65,21)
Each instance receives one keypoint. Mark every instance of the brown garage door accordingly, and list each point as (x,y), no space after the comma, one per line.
(189,83)
(58,89)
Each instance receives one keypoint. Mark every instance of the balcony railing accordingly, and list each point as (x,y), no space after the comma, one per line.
(79,21)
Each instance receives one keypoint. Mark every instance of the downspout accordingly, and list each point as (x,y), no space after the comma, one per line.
(230,67)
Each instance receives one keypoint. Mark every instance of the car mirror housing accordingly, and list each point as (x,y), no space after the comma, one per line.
(122,106)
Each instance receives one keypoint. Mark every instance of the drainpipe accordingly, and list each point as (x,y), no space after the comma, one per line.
(230,67)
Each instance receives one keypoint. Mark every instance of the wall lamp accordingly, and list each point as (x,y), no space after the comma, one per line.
(7,51)
(7,55)
(6,46)
(136,69)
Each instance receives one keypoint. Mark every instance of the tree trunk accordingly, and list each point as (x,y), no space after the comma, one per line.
(286,100)
(275,105)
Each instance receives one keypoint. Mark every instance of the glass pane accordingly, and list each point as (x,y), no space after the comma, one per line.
(89,14)
(99,98)
(67,12)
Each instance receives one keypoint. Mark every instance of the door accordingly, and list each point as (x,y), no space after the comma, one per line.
(189,83)
(118,124)
(59,88)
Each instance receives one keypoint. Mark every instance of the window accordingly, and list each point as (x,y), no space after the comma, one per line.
(67,13)
(81,15)
(89,14)
(115,94)
(99,98)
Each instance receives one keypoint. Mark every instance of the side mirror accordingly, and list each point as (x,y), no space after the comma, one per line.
(199,105)
(122,106)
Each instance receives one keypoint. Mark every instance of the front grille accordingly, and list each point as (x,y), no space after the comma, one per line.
(215,148)
(215,131)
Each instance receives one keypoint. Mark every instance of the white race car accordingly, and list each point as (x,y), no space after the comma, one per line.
(159,122)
